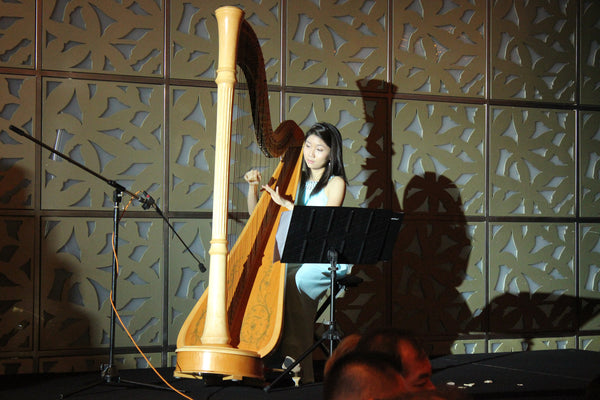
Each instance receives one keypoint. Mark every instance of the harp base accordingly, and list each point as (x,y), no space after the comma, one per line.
(231,363)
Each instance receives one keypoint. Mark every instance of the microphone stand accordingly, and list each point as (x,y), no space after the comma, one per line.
(109,372)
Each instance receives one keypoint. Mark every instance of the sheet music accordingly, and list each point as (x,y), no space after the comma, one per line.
(281,235)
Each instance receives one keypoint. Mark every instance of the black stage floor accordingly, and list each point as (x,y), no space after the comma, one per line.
(555,374)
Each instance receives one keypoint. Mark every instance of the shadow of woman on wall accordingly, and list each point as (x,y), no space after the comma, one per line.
(436,286)
(418,289)
(430,263)
(367,306)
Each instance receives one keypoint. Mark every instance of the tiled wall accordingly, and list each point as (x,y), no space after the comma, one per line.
(478,119)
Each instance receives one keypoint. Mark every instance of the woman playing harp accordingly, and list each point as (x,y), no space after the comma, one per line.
(238,321)
(323,183)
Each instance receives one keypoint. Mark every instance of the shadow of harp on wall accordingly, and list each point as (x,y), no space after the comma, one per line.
(238,319)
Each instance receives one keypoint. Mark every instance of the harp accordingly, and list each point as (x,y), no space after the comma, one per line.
(238,319)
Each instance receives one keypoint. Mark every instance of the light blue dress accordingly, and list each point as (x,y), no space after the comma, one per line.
(314,279)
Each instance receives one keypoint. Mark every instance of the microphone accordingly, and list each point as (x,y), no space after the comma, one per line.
(146,200)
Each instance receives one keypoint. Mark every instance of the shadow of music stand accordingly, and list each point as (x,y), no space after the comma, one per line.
(336,235)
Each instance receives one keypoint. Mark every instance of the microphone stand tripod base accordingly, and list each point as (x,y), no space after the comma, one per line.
(228,362)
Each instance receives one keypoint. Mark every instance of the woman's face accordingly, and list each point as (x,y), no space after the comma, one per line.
(316,152)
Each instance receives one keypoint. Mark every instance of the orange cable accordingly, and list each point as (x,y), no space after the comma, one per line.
(121,321)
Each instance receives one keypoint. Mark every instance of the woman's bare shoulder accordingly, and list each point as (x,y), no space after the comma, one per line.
(335,184)
(336,181)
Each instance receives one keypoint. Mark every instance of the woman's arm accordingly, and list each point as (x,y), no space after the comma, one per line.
(277,197)
(253,178)
(335,191)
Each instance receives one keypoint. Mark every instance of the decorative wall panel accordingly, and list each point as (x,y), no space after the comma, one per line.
(334,45)
(465,347)
(76,282)
(370,186)
(589,164)
(590,343)
(438,273)
(378,186)
(442,139)
(194,46)
(531,344)
(93,363)
(192,147)
(439,47)
(16,365)
(186,282)
(107,37)
(115,130)
(17,270)
(17,34)
(17,162)
(532,165)
(532,282)
(590,52)
(589,276)
(533,48)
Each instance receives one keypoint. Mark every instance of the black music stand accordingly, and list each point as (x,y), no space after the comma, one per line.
(337,235)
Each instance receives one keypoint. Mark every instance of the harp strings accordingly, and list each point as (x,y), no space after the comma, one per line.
(245,155)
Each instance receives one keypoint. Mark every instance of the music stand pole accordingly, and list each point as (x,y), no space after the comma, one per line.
(109,373)
(332,333)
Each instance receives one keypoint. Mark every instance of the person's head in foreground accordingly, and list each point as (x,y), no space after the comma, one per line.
(416,367)
(346,345)
(363,376)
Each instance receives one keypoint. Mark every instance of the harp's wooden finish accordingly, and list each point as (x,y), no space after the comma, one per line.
(238,320)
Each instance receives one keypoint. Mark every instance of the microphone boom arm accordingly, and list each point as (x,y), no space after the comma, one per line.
(145,199)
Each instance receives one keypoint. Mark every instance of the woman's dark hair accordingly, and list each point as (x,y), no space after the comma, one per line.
(335,167)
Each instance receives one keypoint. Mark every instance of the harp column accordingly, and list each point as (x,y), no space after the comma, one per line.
(215,355)
(216,330)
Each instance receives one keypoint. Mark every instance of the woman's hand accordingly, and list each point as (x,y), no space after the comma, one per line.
(276,197)
(253,177)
